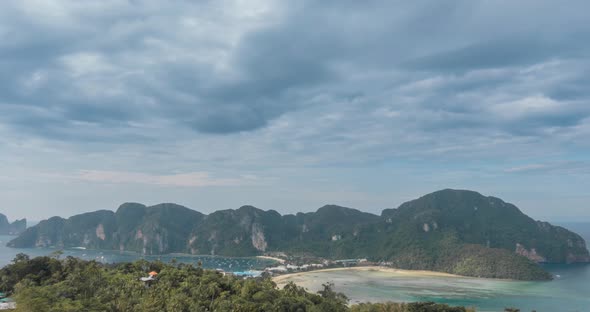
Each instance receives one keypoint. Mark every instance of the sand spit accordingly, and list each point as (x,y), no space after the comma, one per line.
(281,279)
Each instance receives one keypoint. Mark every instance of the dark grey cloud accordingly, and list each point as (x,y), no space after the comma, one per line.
(449,67)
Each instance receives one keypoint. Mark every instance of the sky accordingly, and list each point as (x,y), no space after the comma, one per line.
(291,105)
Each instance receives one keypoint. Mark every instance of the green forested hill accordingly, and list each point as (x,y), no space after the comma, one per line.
(461,232)
(491,222)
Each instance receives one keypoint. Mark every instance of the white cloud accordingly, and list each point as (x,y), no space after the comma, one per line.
(532,105)
(191,179)
(525,168)
(86,63)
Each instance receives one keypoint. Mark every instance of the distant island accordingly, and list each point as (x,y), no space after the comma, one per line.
(14,228)
(453,231)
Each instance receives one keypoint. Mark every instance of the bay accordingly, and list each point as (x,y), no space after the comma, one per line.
(568,292)
(228,264)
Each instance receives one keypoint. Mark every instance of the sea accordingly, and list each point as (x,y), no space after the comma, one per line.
(568,292)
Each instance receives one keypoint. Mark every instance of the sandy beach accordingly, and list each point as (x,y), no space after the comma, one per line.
(271,258)
(282,278)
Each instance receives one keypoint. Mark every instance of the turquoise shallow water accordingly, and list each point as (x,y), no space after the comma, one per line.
(569,292)
(209,262)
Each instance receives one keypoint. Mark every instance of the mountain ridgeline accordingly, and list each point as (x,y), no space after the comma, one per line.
(14,228)
(455,231)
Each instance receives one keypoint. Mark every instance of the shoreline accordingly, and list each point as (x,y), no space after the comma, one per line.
(279,260)
(141,255)
(281,278)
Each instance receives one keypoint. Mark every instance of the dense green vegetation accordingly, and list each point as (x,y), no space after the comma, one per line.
(407,307)
(15,227)
(460,232)
(53,285)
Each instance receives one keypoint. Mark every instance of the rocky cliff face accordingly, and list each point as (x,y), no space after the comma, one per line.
(134,227)
(530,254)
(453,231)
(14,228)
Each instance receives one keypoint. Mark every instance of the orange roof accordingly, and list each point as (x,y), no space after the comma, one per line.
(153,273)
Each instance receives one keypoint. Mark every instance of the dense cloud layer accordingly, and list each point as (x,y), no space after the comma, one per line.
(233,88)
